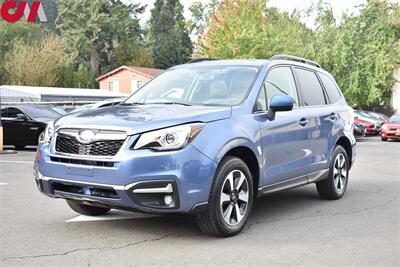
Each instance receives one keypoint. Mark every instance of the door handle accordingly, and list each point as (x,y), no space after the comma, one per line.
(332,116)
(303,122)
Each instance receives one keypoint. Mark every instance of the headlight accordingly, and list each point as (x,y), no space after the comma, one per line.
(171,138)
(48,132)
(384,127)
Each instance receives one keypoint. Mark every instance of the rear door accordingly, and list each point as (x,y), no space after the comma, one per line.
(322,121)
(285,141)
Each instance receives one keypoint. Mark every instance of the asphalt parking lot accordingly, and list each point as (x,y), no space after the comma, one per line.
(288,228)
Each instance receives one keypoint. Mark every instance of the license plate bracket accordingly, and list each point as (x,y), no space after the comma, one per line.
(81,171)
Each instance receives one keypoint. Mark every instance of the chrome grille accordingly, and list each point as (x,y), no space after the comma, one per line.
(70,145)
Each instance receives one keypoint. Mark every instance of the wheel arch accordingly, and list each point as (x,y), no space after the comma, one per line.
(346,144)
(246,151)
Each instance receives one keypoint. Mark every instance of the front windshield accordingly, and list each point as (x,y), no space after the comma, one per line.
(198,85)
(395,118)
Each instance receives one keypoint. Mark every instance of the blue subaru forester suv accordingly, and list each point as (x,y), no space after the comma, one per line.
(204,138)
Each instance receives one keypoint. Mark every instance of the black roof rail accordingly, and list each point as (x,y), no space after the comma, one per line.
(293,58)
(200,60)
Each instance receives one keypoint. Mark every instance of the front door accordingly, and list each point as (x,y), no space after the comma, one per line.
(285,141)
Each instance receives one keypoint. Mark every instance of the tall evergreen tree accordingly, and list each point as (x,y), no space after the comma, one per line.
(169,38)
(93,29)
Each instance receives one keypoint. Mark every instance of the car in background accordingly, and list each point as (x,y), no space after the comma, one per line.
(369,128)
(391,128)
(358,114)
(358,130)
(377,115)
(23,124)
(100,104)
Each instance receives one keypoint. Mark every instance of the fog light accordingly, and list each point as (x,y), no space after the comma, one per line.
(168,200)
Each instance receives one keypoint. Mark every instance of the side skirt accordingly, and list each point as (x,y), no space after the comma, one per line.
(295,182)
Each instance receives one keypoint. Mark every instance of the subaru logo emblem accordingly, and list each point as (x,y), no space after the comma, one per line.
(86,136)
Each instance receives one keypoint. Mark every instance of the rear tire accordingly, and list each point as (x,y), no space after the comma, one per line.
(383,139)
(335,185)
(230,201)
(86,209)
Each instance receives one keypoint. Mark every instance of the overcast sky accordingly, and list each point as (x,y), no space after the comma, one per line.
(339,6)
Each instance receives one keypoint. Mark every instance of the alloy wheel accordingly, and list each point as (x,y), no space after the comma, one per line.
(234,197)
(340,173)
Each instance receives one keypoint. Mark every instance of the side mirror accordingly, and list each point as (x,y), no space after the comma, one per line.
(279,103)
(21,117)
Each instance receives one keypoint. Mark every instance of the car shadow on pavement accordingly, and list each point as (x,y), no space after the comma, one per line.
(278,206)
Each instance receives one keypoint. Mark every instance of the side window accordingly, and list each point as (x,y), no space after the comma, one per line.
(330,87)
(261,104)
(280,81)
(313,94)
(13,113)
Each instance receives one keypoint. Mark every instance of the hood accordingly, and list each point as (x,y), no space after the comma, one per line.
(142,118)
(392,124)
(44,120)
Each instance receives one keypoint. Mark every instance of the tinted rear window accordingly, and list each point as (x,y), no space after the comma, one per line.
(330,87)
(312,92)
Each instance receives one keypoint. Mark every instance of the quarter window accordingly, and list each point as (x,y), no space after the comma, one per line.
(280,81)
(311,89)
(330,87)
(261,104)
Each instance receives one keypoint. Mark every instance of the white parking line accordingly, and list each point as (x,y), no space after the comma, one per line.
(3,184)
(112,216)
(16,161)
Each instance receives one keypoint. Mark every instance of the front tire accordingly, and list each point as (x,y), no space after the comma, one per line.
(230,200)
(383,138)
(86,209)
(335,185)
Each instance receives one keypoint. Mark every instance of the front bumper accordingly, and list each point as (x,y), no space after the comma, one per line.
(391,134)
(186,175)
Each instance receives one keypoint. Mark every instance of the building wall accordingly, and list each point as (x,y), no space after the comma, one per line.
(124,81)
(396,91)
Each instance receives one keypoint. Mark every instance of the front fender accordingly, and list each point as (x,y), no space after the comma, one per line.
(219,137)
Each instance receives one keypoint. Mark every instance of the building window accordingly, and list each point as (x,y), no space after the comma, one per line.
(113,85)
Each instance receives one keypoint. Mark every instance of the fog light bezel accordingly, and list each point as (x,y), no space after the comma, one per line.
(154,200)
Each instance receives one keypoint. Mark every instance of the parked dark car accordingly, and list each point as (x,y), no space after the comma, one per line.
(358,130)
(23,124)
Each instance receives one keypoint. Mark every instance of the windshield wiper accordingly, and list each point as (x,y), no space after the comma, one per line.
(132,104)
(172,103)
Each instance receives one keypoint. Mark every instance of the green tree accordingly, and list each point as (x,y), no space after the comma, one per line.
(9,32)
(37,64)
(184,44)
(133,54)
(362,51)
(93,29)
(169,39)
(247,29)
